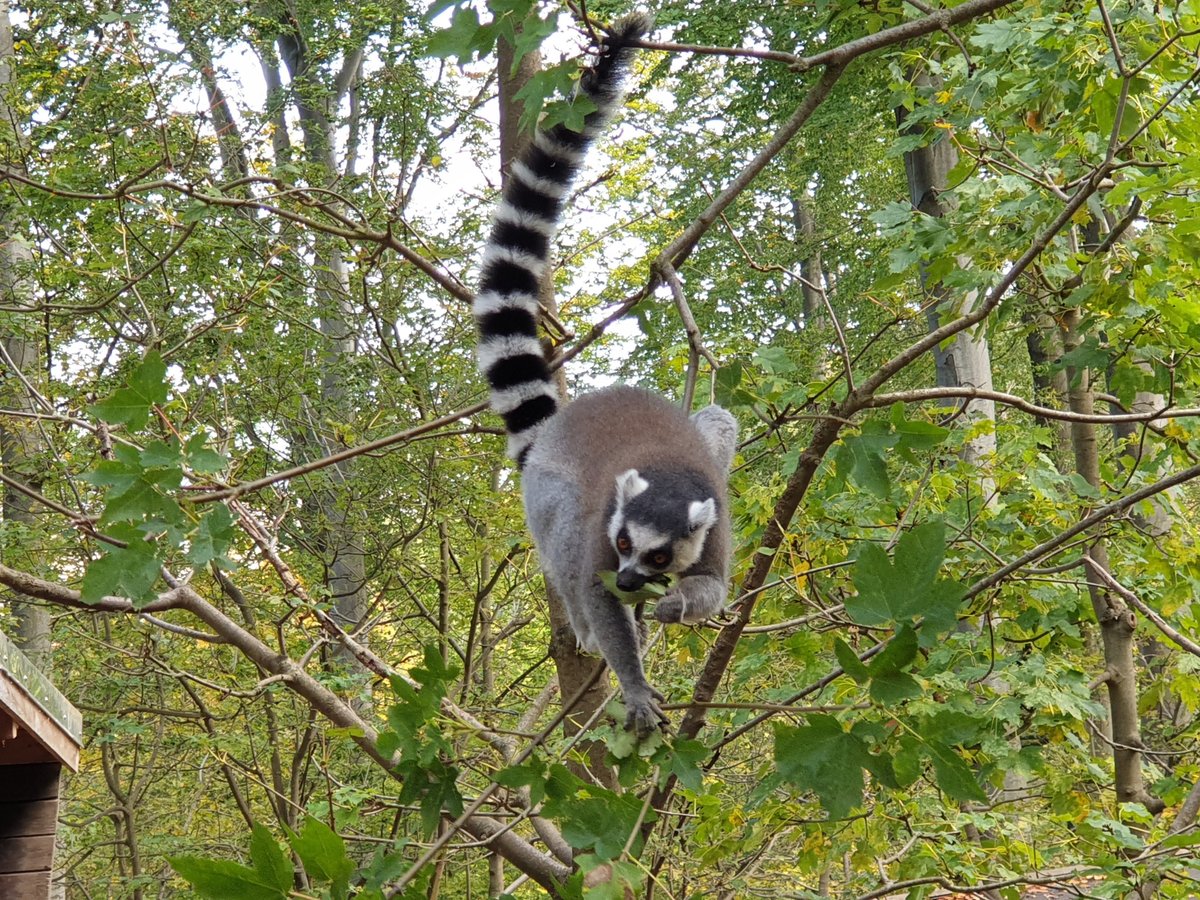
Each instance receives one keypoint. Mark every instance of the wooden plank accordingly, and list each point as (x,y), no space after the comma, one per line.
(26,886)
(33,719)
(33,782)
(24,819)
(27,854)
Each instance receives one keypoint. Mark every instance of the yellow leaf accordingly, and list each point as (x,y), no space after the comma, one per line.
(799,567)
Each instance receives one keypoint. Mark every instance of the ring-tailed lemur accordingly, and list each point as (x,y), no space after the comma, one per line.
(620,479)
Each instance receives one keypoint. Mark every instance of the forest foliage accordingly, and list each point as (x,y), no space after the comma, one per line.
(942,264)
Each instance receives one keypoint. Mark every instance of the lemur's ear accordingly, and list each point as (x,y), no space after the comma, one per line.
(629,485)
(702,514)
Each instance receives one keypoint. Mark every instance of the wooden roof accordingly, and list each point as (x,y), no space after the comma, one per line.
(35,719)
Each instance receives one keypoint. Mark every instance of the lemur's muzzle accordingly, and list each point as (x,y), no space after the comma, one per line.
(630,579)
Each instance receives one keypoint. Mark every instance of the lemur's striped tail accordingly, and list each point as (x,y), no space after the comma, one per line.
(518,251)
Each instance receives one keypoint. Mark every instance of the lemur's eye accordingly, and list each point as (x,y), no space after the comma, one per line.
(659,559)
(623,544)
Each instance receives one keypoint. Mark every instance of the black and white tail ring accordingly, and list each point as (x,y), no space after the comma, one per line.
(518,250)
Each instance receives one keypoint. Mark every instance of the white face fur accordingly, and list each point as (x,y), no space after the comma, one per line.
(636,543)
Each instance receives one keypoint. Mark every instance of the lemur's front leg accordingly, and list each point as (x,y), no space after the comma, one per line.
(616,632)
(694,599)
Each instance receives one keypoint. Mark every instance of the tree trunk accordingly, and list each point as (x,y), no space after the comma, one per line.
(813,286)
(812,272)
(1050,388)
(235,165)
(1116,620)
(340,531)
(966,360)
(20,436)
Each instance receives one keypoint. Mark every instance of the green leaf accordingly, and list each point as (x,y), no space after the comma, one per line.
(894,215)
(1190,839)
(571,113)
(531,775)
(269,860)
(901,592)
(651,590)
(727,380)
(323,854)
(213,537)
(384,868)
(222,879)
(920,551)
(195,211)
(895,688)
(824,758)
(534,30)
(776,360)
(861,458)
(556,80)
(624,878)
(596,819)
(128,571)
(131,404)
(200,458)
(850,662)
(914,434)
(953,775)
(899,652)
(517,8)
(464,37)
(683,758)
(144,499)
(159,454)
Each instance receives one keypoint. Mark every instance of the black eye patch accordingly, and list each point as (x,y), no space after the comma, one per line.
(624,545)
(658,559)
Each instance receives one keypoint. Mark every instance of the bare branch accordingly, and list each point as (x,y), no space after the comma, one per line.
(1176,637)
(695,343)
(920,395)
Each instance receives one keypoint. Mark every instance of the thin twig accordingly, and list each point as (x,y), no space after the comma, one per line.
(1097,516)
(957,41)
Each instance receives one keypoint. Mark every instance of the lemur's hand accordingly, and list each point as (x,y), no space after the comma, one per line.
(693,600)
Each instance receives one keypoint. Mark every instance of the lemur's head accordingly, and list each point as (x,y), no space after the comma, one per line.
(658,523)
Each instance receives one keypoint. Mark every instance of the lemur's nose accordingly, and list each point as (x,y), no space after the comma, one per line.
(630,579)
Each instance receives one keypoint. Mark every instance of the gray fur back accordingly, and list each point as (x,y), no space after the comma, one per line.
(608,431)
